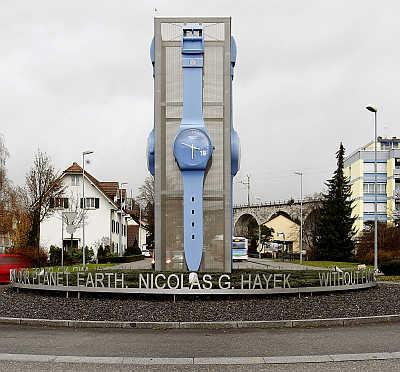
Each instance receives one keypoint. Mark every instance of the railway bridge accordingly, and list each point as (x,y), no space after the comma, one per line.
(247,217)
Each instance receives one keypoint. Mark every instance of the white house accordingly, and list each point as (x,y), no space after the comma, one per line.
(104,221)
(137,232)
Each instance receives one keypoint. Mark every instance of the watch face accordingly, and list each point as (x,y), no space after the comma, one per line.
(192,149)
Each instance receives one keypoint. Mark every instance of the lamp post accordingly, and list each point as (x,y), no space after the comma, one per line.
(120,219)
(259,229)
(84,204)
(301,215)
(248,188)
(374,111)
(140,226)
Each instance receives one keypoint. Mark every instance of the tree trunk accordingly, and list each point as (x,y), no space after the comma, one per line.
(34,235)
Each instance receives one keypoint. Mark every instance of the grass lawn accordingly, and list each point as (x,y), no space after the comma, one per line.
(389,278)
(91,266)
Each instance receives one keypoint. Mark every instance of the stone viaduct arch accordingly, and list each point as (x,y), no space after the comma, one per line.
(246,217)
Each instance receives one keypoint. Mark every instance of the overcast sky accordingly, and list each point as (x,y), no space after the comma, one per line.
(76,75)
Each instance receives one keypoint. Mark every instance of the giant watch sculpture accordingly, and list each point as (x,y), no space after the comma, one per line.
(192,146)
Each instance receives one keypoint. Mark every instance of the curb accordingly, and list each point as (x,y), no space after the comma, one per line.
(210,361)
(296,323)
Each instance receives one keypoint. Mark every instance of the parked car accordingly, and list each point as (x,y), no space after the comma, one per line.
(8,262)
(146,253)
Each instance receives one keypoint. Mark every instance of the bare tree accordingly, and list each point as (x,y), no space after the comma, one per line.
(310,224)
(146,191)
(396,212)
(3,158)
(6,194)
(146,199)
(42,185)
(72,216)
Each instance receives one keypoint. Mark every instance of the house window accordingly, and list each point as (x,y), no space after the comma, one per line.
(369,188)
(370,208)
(59,203)
(370,167)
(75,180)
(113,226)
(91,203)
(397,188)
(117,228)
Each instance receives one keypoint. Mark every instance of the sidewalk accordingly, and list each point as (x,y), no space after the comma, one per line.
(137,265)
(258,263)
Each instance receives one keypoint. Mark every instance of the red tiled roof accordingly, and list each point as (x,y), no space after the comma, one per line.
(110,188)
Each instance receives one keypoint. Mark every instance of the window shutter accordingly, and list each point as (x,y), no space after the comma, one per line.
(97,203)
(81,202)
(66,203)
(51,202)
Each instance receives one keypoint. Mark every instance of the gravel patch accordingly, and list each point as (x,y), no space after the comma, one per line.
(381,300)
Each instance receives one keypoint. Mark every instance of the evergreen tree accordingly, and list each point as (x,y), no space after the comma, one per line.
(335,231)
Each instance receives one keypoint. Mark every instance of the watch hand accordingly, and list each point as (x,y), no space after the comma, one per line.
(192,151)
(190,146)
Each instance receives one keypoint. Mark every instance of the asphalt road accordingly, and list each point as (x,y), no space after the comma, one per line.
(197,344)
(200,343)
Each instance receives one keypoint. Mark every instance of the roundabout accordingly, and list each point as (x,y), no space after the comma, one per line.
(231,311)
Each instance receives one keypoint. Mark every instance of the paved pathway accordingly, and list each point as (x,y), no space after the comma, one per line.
(137,265)
(256,263)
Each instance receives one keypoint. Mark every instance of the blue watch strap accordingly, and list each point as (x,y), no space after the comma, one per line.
(192,65)
(193,217)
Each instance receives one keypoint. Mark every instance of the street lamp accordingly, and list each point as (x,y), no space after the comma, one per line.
(248,188)
(140,226)
(259,229)
(120,218)
(84,204)
(374,110)
(301,214)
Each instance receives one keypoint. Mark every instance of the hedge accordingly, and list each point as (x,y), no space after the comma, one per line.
(122,259)
(390,267)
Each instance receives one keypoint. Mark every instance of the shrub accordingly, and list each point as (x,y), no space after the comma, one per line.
(103,253)
(54,256)
(388,243)
(133,249)
(390,267)
(74,256)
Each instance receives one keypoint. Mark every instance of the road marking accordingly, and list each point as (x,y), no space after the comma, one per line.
(290,359)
